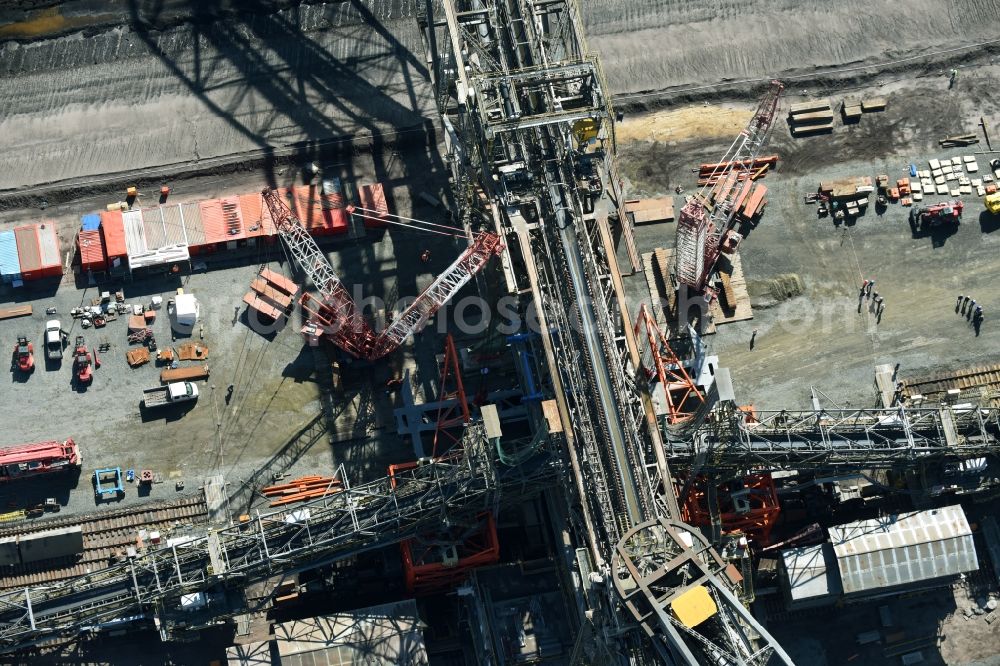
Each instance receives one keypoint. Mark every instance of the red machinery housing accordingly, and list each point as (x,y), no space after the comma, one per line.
(748,505)
(25,460)
(441,560)
(82,362)
(436,562)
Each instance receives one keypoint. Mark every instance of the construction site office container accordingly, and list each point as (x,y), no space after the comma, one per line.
(256,216)
(322,215)
(51,544)
(91,247)
(10,265)
(38,251)
(372,198)
(221,222)
(113,231)
(90,222)
(193,227)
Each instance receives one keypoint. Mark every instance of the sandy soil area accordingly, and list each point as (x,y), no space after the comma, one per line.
(657,44)
(125,99)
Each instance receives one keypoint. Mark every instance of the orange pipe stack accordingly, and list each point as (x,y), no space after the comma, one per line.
(301,489)
(710,174)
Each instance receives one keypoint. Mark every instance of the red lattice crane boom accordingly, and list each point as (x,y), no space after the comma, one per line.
(335,310)
(702,225)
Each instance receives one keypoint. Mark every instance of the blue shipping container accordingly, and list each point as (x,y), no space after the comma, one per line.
(91,222)
(10,265)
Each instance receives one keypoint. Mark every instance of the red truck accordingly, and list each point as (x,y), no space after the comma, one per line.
(24,460)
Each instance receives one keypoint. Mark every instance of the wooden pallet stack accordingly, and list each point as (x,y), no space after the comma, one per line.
(806,118)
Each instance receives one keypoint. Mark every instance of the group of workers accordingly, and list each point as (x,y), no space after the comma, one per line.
(868,293)
(967,306)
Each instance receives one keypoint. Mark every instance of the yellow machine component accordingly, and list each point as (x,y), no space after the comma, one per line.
(992,202)
(694,606)
(586,129)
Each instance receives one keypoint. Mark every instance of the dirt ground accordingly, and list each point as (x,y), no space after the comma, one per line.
(681,46)
(126,96)
(819,338)
(275,392)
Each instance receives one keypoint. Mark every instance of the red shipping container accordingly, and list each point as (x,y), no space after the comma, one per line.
(38,250)
(113,231)
(213,220)
(312,211)
(373,200)
(256,216)
(91,251)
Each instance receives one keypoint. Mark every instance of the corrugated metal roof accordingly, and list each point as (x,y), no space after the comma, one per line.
(48,244)
(10,265)
(135,233)
(91,250)
(319,213)
(213,221)
(91,222)
(174,232)
(114,233)
(903,548)
(235,230)
(152,226)
(388,635)
(193,229)
(256,216)
(811,572)
(27,248)
(163,227)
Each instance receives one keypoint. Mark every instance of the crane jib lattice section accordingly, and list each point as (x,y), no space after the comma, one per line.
(355,520)
(335,310)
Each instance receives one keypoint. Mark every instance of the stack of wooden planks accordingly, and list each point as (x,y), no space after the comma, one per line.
(16,311)
(301,489)
(808,118)
(650,211)
(851,110)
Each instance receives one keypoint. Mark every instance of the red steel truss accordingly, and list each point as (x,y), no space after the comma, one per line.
(450,417)
(660,362)
(441,561)
(748,505)
(335,312)
(702,225)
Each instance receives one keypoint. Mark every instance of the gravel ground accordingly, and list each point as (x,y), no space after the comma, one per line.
(819,338)
(275,392)
(703,43)
(126,99)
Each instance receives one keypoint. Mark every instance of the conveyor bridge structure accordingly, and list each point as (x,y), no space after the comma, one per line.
(220,563)
(898,437)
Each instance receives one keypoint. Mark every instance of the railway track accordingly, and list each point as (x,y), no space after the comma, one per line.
(105,535)
(984,376)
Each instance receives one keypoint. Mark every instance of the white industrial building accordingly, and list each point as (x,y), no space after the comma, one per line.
(879,556)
